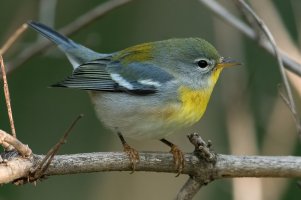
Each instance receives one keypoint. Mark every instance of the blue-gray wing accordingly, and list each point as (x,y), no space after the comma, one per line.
(103,75)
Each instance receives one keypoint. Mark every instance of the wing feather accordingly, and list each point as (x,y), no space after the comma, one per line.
(101,75)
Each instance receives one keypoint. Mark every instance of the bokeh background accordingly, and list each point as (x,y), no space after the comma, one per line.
(246,116)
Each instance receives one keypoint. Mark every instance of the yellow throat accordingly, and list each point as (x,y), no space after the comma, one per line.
(194,102)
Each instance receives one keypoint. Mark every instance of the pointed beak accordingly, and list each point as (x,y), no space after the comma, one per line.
(227,62)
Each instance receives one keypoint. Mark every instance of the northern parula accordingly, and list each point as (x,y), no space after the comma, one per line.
(146,91)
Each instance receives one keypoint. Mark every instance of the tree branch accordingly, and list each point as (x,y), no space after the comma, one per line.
(8,139)
(189,189)
(18,169)
(227,166)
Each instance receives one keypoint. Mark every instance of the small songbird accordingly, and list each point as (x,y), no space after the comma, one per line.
(147,91)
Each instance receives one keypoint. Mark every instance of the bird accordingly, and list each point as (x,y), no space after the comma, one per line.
(146,91)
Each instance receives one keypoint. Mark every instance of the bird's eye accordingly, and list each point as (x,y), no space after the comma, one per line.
(203,63)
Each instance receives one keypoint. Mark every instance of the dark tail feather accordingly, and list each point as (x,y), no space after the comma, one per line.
(76,53)
(62,41)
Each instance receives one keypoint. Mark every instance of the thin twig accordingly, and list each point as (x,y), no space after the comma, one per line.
(40,169)
(76,25)
(7,98)
(23,149)
(284,97)
(13,38)
(202,148)
(270,37)
(290,63)
(92,15)
(3,49)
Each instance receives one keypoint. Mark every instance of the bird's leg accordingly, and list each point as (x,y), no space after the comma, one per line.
(131,152)
(178,156)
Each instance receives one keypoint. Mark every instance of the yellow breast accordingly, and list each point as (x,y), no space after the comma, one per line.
(195,101)
(192,107)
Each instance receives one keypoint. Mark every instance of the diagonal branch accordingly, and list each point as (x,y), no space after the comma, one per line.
(265,30)
(13,38)
(38,171)
(290,63)
(189,189)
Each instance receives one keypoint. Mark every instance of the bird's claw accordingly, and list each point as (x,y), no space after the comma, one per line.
(133,156)
(178,158)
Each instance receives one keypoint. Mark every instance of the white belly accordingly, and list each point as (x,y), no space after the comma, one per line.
(131,116)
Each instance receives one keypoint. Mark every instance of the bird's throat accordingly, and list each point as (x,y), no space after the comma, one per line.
(194,104)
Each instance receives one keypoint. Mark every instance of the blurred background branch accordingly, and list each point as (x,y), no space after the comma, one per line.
(76,25)
(240,116)
(292,63)
(262,27)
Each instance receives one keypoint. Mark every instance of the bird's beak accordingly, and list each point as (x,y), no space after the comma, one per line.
(227,62)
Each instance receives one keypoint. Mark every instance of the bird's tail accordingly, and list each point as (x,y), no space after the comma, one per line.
(63,42)
(76,53)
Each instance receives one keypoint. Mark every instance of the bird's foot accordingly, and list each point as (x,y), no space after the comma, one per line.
(132,153)
(133,156)
(178,157)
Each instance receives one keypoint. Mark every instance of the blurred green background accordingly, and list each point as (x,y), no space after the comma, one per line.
(245,115)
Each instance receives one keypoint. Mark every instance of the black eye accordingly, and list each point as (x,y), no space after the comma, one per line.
(202,63)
